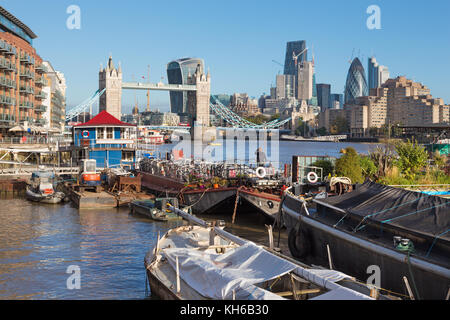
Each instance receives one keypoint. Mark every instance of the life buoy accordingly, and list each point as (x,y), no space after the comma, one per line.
(261,172)
(298,243)
(85,134)
(312,177)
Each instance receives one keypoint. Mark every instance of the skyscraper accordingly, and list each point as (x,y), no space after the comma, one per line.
(177,73)
(356,84)
(377,75)
(336,101)
(285,86)
(294,48)
(323,96)
(305,76)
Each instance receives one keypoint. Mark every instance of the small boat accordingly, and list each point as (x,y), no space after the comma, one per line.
(41,188)
(203,262)
(155,209)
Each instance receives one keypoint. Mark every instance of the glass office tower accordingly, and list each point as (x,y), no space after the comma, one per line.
(294,47)
(356,84)
(177,73)
(323,96)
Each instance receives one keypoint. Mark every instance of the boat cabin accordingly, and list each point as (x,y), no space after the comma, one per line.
(111,142)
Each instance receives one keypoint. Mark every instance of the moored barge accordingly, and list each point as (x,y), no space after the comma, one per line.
(404,233)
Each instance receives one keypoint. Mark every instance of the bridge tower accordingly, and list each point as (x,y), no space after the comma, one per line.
(111,79)
(198,102)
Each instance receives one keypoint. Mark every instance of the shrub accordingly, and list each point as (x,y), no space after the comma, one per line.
(326,165)
(369,170)
(412,157)
(349,165)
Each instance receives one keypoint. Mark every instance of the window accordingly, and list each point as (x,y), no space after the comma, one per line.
(109,133)
(100,133)
(127,155)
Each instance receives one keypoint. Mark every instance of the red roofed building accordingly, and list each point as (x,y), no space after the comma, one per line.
(108,140)
(105,119)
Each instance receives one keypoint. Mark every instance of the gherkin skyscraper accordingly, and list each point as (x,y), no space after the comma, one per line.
(356,84)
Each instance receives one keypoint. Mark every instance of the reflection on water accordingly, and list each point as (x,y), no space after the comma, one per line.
(39,242)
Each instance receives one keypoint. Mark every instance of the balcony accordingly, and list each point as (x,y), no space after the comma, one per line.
(27,74)
(40,108)
(40,69)
(26,59)
(7,83)
(26,89)
(26,104)
(40,95)
(7,118)
(7,65)
(7,100)
(41,81)
(3,46)
(10,50)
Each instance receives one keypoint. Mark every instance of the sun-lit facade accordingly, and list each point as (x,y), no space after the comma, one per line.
(177,73)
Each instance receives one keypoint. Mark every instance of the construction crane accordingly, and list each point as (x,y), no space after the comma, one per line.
(295,57)
(278,63)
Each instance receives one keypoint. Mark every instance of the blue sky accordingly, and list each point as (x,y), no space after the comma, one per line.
(238,40)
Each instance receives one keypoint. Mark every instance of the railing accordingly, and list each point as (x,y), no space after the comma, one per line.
(7,118)
(26,104)
(27,74)
(35,140)
(41,81)
(41,68)
(40,95)
(7,82)
(40,108)
(7,100)
(28,170)
(26,89)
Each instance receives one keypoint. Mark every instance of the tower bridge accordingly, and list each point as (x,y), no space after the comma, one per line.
(197,86)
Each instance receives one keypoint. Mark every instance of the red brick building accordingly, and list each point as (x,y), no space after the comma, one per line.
(22,75)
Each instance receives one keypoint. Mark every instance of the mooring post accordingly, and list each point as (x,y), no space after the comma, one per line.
(157,245)
(329,258)
(178,276)
(405,280)
(235,206)
(269,229)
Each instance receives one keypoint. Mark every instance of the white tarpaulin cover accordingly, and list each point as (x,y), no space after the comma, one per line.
(216,275)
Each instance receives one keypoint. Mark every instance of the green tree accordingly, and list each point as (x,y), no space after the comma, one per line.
(302,128)
(349,165)
(412,157)
(339,126)
(369,169)
(322,131)
(326,165)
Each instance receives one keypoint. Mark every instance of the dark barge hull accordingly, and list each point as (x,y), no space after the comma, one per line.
(201,200)
(267,204)
(354,254)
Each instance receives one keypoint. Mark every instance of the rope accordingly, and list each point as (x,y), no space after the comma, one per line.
(374,214)
(414,212)
(378,288)
(434,241)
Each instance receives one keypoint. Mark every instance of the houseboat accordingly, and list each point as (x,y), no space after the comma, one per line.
(202,261)
(111,142)
(404,233)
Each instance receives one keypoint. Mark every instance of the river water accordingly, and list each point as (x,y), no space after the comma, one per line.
(39,242)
